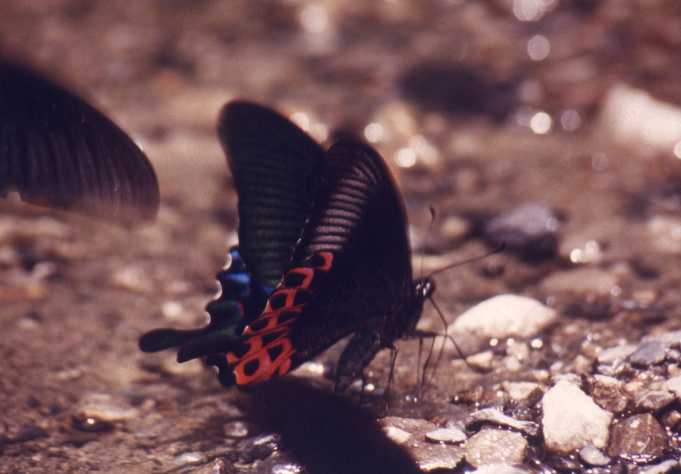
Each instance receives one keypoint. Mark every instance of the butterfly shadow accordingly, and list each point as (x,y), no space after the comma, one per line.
(327,433)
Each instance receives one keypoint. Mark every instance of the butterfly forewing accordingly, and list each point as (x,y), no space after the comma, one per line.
(275,167)
(57,150)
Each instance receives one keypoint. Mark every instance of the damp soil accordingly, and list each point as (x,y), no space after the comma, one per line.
(476,118)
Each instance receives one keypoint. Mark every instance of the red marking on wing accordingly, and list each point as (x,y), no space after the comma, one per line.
(256,365)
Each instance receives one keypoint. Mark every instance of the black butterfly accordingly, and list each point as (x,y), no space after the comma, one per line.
(326,229)
(59,151)
(323,249)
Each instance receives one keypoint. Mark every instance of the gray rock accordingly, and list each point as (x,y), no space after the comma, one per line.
(639,438)
(530,230)
(616,354)
(649,353)
(491,446)
(492,415)
(593,456)
(446,435)
(572,420)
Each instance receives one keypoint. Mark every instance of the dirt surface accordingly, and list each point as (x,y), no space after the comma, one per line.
(480,107)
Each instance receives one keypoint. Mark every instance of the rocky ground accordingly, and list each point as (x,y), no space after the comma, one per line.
(554,126)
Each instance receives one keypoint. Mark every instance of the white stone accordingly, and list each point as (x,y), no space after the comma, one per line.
(572,420)
(397,435)
(446,435)
(674,385)
(633,118)
(504,316)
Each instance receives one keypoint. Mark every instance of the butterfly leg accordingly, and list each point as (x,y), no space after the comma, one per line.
(355,357)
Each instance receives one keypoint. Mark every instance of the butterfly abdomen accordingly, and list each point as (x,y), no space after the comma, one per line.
(266,348)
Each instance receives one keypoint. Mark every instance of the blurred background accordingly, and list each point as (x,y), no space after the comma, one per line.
(552,125)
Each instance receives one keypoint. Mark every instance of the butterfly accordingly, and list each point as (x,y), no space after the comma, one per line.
(57,150)
(323,254)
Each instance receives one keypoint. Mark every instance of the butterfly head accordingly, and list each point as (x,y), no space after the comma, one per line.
(423,288)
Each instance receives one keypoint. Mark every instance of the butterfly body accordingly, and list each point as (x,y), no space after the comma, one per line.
(327,229)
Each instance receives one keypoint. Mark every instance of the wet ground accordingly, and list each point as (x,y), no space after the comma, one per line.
(555,126)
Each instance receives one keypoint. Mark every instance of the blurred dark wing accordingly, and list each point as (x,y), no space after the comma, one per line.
(57,150)
(275,167)
(351,266)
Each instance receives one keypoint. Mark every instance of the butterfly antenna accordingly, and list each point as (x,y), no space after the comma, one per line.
(433,216)
(391,375)
(424,374)
(499,248)
(444,322)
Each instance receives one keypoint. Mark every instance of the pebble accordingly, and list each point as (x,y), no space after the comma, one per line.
(572,420)
(216,467)
(504,316)
(581,280)
(446,435)
(396,434)
(633,118)
(660,468)
(482,360)
(608,393)
(189,458)
(616,354)
(593,456)
(654,400)
(649,353)
(529,229)
(639,438)
(133,278)
(491,446)
(492,415)
(106,407)
(434,457)
(529,392)
(413,433)
(674,385)
(671,419)
(664,233)
(499,469)
(287,468)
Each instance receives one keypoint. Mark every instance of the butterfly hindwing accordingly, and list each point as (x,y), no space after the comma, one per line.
(57,150)
(275,167)
(349,273)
